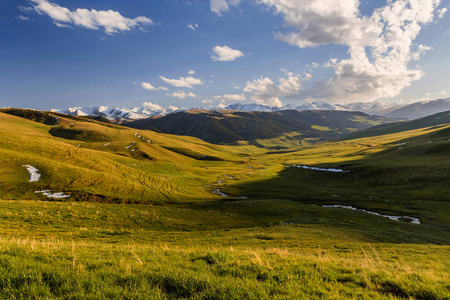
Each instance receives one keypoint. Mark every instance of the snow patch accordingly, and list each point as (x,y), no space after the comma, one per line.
(107,144)
(50,194)
(320,169)
(34,175)
(394,218)
(131,145)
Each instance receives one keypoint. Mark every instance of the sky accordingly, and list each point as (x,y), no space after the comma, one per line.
(56,54)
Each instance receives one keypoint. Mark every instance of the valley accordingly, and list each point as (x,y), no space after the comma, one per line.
(157,216)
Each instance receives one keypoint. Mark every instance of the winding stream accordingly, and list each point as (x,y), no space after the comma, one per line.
(394,218)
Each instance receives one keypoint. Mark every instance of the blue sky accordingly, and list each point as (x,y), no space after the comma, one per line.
(201,53)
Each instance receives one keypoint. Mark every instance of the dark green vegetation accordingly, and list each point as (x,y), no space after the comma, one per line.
(145,224)
(263,129)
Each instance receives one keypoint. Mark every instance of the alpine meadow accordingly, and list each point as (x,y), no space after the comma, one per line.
(269,149)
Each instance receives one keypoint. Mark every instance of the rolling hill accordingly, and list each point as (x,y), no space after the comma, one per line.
(97,161)
(158,216)
(264,129)
(433,120)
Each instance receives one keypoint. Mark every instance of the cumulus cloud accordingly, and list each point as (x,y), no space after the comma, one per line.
(150,87)
(182,82)
(267,92)
(172,108)
(182,95)
(152,106)
(191,72)
(225,53)
(221,6)
(231,97)
(380,46)
(111,21)
(442,12)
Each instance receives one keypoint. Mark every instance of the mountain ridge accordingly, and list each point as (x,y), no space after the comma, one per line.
(264,129)
(407,111)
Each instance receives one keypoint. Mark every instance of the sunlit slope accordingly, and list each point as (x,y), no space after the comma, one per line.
(288,128)
(403,173)
(96,161)
(432,120)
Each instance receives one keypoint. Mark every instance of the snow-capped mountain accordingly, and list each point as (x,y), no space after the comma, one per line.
(249,107)
(410,111)
(373,108)
(114,114)
(321,106)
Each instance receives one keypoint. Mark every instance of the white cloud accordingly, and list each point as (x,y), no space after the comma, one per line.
(421,49)
(182,95)
(191,72)
(380,46)
(152,106)
(221,6)
(25,9)
(111,21)
(207,101)
(441,12)
(231,97)
(182,82)
(267,92)
(23,18)
(225,53)
(150,87)
(192,26)
(173,108)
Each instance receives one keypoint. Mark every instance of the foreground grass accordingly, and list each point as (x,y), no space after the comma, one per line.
(74,270)
(267,249)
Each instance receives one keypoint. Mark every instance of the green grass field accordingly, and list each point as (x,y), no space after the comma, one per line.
(145,224)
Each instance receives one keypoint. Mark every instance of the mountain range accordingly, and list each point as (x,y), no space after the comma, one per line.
(392,110)
(264,129)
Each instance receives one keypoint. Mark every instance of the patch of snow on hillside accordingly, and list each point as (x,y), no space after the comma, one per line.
(394,218)
(50,194)
(320,169)
(131,145)
(34,175)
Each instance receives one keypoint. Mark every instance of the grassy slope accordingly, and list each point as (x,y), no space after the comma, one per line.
(259,248)
(90,158)
(384,175)
(264,129)
(235,250)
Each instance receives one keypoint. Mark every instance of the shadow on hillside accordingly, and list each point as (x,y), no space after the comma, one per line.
(365,186)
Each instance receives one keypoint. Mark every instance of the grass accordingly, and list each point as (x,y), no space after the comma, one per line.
(144,224)
(211,251)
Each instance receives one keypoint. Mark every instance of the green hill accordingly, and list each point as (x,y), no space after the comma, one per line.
(94,160)
(433,120)
(174,235)
(264,129)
